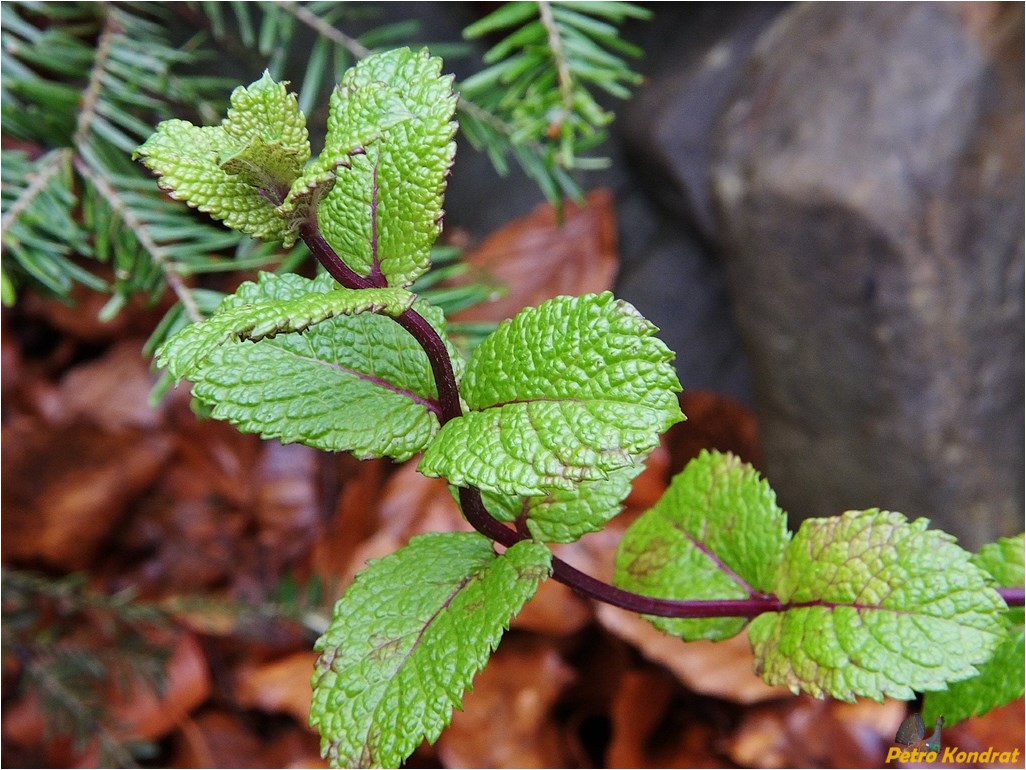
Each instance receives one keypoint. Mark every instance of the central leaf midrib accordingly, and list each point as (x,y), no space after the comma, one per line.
(422,630)
(716,560)
(428,403)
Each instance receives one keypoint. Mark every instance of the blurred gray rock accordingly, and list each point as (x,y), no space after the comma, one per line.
(693,60)
(678,287)
(693,53)
(869,191)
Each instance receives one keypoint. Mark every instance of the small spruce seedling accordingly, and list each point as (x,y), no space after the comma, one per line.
(540,432)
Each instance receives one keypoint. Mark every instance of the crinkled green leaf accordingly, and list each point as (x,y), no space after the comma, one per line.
(716,533)
(878,607)
(372,100)
(257,312)
(377,108)
(357,383)
(565,515)
(241,170)
(266,110)
(407,639)
(563,393)
(263,165)
(1000,680)
(305,195)
(384,212)
(1003,559)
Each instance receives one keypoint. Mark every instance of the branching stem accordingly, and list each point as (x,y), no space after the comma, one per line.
(321,249)
(473,506)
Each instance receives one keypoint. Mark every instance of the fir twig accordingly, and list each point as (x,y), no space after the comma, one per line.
(322,28)
(52,165)
(160,255)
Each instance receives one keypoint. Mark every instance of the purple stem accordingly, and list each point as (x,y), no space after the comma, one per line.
(473,506)
(339,270)
(1014,597)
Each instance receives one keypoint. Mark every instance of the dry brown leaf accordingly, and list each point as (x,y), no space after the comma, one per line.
(215,459)
(295,748)
(66,489)
(358,487)
(721,669)
(229,511)
(287,504)
(217,738)
(652,726)
(507,718)
(636,711)
(535,258)
(410,504)
(804,732)
(142,714)
(112,391)
(136,712)
(554,610)
(193,538)
(869,723)
(282,685)
(25,738)
(714,421)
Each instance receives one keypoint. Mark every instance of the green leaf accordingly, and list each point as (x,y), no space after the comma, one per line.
(356,383)
(1003,559)
(407,639)
(877,607)
(354,121)
(262,165)
(565,515)
(241,170)
(716,533)
(259,311)
(385,211)
(1000,680)
(564,393)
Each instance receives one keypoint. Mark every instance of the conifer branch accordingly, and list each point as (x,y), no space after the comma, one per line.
(322,28)
(37,182)
(91,94)
(160,255)
(558,55)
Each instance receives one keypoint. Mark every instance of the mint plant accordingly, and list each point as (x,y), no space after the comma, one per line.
(540,432)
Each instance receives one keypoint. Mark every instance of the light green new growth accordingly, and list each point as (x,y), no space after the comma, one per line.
(716,533)
(564,515)
(407,639)
(880,607)
(561,394)
(263,310)
(386,210)
(1000,680)
(241,170)
(369,111)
